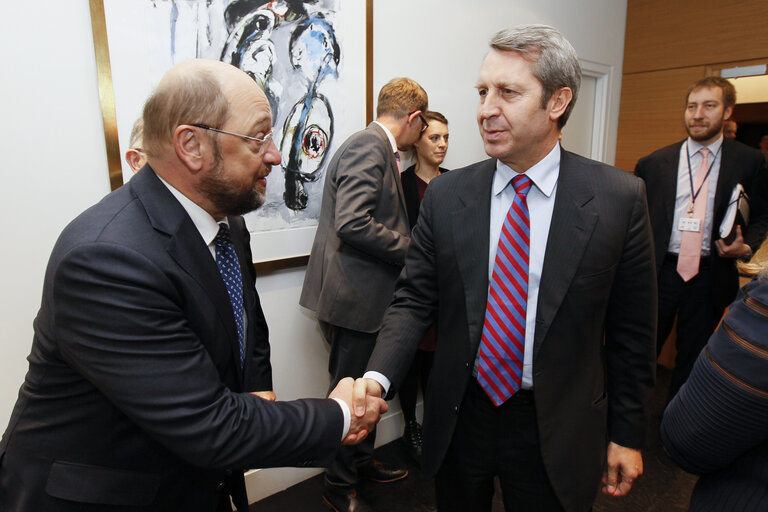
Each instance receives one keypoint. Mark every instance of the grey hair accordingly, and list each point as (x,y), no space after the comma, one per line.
(555,63)
(136,141)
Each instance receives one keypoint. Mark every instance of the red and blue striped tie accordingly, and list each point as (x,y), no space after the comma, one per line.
(500,357)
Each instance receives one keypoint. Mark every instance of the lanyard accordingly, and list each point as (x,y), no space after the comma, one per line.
(695,194)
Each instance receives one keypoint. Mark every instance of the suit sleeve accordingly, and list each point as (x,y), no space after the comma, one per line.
(360,178)
(414,305)
(721,412)
(630,331)
(120,324)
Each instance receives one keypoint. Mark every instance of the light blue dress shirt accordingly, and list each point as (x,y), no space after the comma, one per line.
(541,202)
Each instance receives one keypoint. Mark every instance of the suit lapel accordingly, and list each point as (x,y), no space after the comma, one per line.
(573,220)
(472,244)
(186,247)
(727,178)
(668,184)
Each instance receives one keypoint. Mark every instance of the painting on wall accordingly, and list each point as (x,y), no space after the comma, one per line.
(307,55)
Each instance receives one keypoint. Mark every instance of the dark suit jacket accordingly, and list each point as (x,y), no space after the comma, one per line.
(738,164)
(594,351)
(411,193)
(134,392)
(361,237)
(717,425)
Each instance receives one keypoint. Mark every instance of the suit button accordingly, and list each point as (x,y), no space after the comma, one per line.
(456,409)
(219,486)
(466,365)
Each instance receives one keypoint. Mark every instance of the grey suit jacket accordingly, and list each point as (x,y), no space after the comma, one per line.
(593,359)
(361,237)
(134,399)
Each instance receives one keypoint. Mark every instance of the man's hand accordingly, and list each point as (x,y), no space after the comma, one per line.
(736,249)
(364,388)
(364,417)
(624,466)
(269,396)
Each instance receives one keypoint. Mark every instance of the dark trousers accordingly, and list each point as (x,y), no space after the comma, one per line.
(418,374)
(350,351)
(490,442)
(698,312)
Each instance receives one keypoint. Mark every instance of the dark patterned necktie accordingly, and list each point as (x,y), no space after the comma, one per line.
(229,267)
(500,357)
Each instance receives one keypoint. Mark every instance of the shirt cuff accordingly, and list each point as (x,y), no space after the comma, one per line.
(381,379)
(347,417)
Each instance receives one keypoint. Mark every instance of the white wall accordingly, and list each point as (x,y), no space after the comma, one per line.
(54,163)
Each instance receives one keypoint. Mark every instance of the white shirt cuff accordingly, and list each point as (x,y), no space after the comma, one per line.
(347,417)
(381,379)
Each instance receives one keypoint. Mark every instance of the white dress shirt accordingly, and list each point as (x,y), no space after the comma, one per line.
(683,193)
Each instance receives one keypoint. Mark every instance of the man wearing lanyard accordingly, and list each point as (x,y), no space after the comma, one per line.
(689,186)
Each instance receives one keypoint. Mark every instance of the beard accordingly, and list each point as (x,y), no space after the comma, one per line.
(709,133)
(229,197)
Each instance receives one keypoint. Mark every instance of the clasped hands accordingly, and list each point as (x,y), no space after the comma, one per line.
(363,397)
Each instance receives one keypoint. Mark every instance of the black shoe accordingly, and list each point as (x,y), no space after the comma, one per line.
(412,437)
(380,472)
(344,502)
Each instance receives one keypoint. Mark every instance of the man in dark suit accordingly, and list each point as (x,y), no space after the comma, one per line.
(569,340)
(687,209)
(150,334)
(357,254)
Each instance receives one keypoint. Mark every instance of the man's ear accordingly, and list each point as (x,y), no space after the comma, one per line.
(559,101)
(728,112)
(189,146)
(135,159)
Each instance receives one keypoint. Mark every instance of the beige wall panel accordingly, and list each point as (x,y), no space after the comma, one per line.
(664,34)
(651,113)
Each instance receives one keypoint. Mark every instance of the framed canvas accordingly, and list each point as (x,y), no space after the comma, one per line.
(311,57)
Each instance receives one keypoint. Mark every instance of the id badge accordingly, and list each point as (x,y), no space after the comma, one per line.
(689,224)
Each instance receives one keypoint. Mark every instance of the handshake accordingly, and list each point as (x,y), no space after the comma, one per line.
(363,397)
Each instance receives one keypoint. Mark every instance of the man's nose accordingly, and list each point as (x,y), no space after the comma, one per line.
(271,154)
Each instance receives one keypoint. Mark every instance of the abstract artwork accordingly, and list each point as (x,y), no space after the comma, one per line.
(308,57)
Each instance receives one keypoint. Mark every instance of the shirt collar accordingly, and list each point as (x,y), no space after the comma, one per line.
(543,174)
(206,225)
(392,141)
(694,147)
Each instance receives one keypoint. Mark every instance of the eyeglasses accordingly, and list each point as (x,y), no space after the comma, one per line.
(262,141)
(424,123)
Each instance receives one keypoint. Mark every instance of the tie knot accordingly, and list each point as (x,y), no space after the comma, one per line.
(522,184)
(222,237)
(704,153)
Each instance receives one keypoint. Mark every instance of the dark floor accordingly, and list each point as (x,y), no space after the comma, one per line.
(662,488)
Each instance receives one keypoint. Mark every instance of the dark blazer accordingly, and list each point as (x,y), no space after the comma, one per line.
(739,164)
(593,354)
(361,237)
(717,425)
(411,193)
(134,395)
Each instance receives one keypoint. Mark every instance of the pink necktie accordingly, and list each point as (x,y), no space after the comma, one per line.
(690,245)
(397,159)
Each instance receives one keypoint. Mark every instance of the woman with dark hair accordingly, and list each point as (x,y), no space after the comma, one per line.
(717,424)
(430,152)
